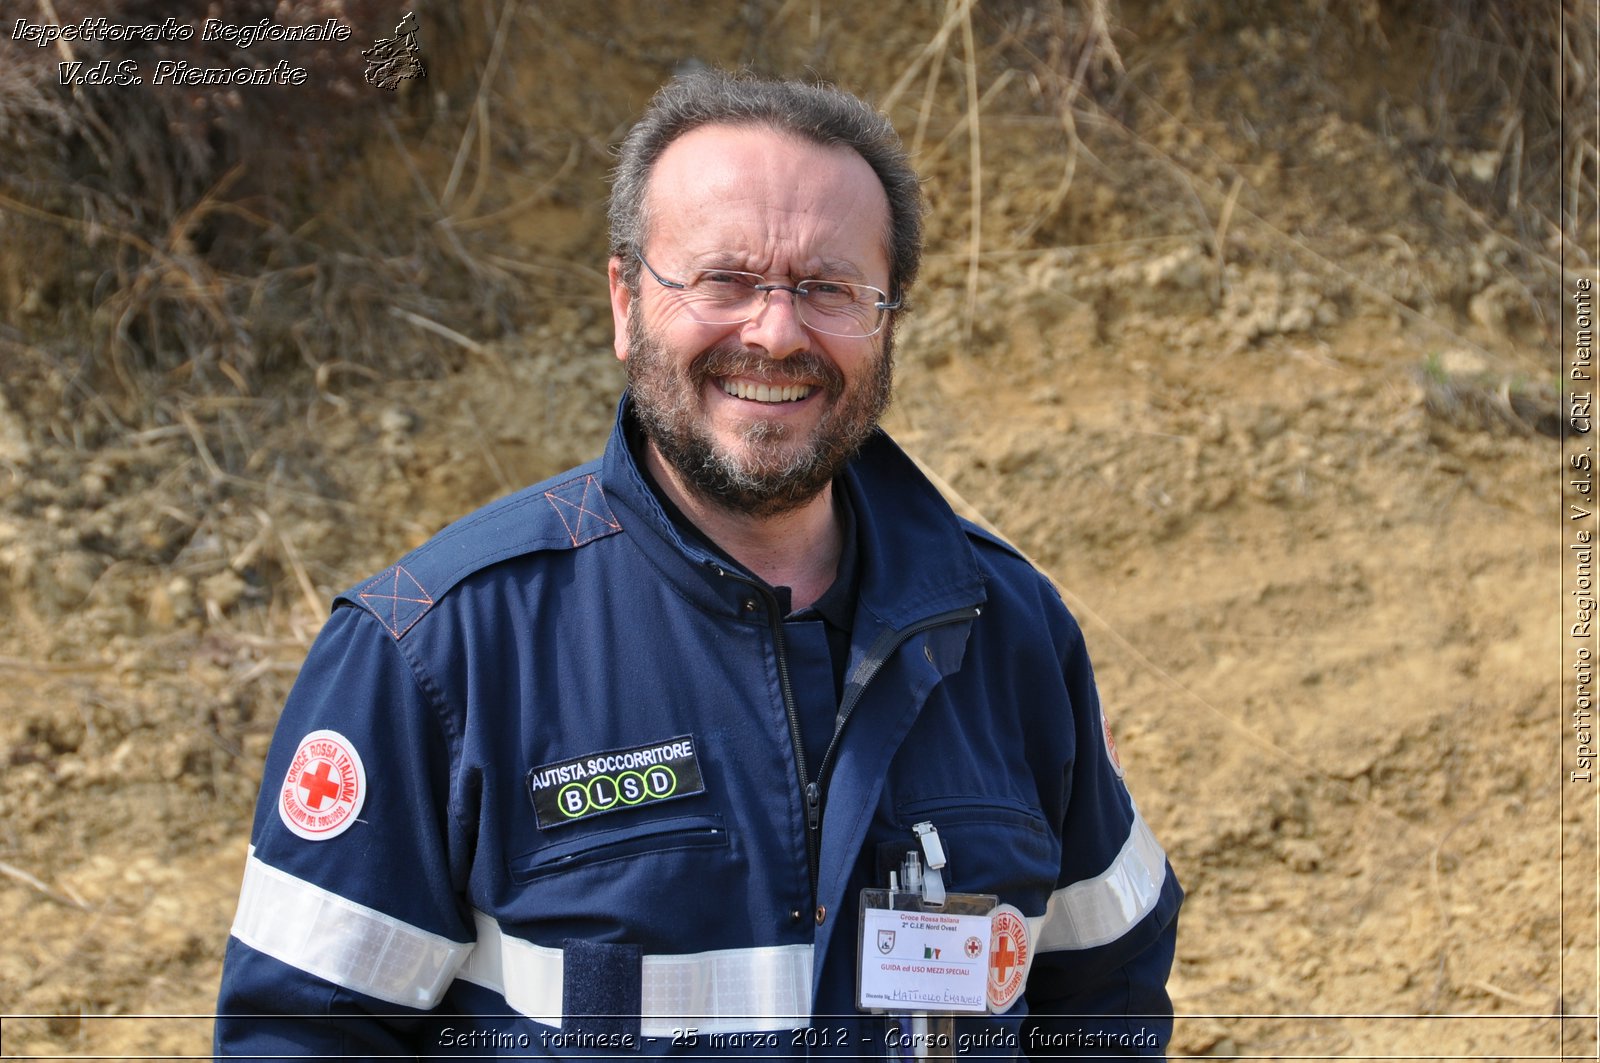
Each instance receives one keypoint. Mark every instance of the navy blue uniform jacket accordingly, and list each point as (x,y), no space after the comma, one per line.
(537,791)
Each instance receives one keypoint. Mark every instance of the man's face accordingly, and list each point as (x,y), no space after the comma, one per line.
(758,201)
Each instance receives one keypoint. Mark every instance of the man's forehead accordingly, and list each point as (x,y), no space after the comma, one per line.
(738,139)
(705,176)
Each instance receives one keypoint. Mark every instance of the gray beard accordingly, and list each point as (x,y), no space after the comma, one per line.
(773,478)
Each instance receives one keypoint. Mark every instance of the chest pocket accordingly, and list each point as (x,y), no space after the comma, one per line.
(596,849)
(992,845)
(592,851)
(648,882)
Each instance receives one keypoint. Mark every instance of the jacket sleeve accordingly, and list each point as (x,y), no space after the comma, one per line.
(1097,985)
(352,919)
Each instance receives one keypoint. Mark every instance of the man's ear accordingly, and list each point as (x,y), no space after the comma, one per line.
(621,301)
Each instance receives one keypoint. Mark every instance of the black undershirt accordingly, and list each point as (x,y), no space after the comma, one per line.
(834,611)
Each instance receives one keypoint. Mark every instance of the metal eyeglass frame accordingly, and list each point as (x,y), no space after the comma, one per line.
(884,308)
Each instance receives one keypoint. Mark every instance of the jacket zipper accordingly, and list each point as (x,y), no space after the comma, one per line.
(877,656)
(810,791)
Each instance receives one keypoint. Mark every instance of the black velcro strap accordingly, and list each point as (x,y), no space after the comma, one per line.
(602,991)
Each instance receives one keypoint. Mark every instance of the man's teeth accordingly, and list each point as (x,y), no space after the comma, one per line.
(765,392)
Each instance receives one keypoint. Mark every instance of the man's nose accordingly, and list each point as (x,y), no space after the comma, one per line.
(776,327)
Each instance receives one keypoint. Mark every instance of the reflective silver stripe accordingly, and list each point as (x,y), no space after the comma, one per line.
(527,975)
(725,991)
(346,943)
(1096,911)
(360,948)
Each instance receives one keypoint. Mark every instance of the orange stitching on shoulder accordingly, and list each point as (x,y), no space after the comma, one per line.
(583,507)
(411,592)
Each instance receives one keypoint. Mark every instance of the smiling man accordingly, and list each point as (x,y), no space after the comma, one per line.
(613,764)
(754,392)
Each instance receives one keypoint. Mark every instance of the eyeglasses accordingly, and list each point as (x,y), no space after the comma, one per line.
(730,297)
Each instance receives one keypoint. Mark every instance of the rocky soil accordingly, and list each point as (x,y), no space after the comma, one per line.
(1271,400)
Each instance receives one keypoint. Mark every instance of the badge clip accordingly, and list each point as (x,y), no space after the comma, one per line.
(923,952)
(932,882)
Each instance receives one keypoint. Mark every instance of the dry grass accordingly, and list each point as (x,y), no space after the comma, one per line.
(197,257)
(1220,125)
(198,253)
(1514,86)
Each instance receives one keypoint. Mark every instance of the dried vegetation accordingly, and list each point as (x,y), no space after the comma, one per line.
(1250,271)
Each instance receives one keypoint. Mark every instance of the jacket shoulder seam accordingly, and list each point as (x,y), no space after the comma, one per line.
(984,535)
(405,592)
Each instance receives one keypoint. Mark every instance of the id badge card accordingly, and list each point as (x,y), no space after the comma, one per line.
(914,957)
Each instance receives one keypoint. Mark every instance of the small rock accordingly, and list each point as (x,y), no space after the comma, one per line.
(13,436)
(223,590)
(1301,854)
(396,421)
(1460,362)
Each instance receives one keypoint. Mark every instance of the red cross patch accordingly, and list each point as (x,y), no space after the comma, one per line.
(1009,952)
(324,787)
(1111,745)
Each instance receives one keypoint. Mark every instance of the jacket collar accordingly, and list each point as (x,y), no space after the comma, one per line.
(916,560)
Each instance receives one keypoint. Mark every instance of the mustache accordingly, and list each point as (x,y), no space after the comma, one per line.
(733,359)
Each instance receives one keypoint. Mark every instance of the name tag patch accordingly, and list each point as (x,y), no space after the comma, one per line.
(597,783)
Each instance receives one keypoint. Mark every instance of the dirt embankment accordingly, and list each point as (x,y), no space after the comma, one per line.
(1256,355)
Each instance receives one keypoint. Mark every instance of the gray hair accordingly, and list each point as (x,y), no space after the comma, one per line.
(821,114)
